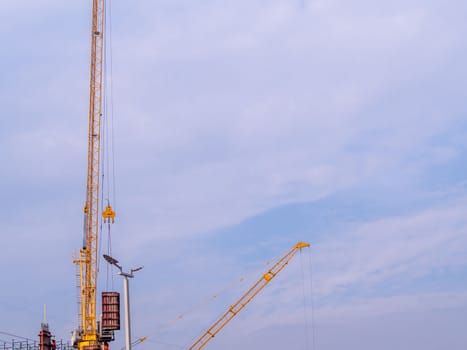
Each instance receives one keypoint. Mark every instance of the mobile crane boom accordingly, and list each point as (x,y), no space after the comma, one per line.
(246,298)
(86,337)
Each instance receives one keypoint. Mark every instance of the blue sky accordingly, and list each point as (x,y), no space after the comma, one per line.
(242,127)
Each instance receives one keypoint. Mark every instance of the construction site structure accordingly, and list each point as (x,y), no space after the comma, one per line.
(88,335)
(46,341)
(246,298)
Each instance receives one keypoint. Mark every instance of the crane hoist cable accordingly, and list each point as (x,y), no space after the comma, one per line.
(312,297)
(305,314)
(108,192)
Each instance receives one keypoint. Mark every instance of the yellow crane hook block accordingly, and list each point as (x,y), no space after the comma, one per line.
(108,214)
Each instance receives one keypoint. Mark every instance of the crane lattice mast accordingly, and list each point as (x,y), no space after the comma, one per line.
(88,257)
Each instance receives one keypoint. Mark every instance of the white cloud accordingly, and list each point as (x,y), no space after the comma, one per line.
(369,272)
(225,110)
(408,247)
(300,97)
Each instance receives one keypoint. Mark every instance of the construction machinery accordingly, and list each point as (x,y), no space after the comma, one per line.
(91,334)
(234,309)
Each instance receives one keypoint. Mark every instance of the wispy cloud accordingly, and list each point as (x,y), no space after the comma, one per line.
(228,110)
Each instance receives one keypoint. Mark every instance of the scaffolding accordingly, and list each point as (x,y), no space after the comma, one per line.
(15,344)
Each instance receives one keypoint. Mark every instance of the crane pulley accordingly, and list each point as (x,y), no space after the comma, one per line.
(234,309)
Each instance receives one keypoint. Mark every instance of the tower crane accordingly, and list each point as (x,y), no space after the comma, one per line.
(87,336)
(234,309)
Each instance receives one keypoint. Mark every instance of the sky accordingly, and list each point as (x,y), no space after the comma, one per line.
(240,128)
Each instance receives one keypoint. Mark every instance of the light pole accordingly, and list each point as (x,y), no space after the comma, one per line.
(126,296)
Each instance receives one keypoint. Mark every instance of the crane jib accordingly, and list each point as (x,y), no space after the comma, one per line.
(246,297)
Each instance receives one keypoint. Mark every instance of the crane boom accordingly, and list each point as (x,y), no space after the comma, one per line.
(88,257)
(246,298)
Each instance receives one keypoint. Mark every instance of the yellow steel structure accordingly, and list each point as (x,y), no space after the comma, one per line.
(246,298)
(87,334)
